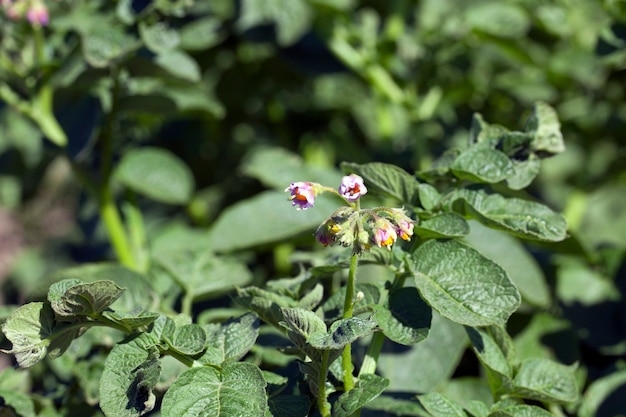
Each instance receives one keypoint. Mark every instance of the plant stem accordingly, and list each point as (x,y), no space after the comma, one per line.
(370,360)
(108,210)
(348,308)
(137,232)
(322,400)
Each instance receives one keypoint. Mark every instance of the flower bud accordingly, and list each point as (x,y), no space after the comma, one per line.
(404,224)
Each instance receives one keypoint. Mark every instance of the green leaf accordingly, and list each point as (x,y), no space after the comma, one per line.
(230,341)
(483,132)
(521,410)
(369,387)
(429,197)
(440,406)
(482,164)
(525,173)
(301,324)
(104,46)
(130,373)
(496,360)
(462,285)
(187,339)
(395,406)
(34,333)
(277,167)
(522,218)
(291,17)
(442,225)
(237,390)
(263,219)
(157,174)
(341,333)
(158,37)
(545,380)
(510,254)
(499,19)
(203,274)
(138,293)
(201,34)
(426,365)
(544,124)
(132,320)
(599,391)
(179,64)
(387,179)
(19,402)
(69,298)
(406,319)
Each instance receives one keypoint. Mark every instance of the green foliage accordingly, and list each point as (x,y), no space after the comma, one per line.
(151,263)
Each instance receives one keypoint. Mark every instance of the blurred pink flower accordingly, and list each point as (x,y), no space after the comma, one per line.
(37,14)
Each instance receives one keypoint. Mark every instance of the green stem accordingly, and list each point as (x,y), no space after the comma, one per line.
(370,361)
(348,308)
(108,210)
(322,400)
(115,228)
(137,231)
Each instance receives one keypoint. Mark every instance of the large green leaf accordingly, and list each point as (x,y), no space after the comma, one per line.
(440,406)
(157,174)
(510,254)
(237,390)
(34,333)
(387,179)
(202,274)
(130,373)
(442,225)
(179,64)
(480,163)
(425,365)
(276,167)
(406,318)
(494,359)
(138,292)
(521,410)
(523,218)
(104,46)
(462,285)
(265,218)
(71,298)
(230,341)
(546,380)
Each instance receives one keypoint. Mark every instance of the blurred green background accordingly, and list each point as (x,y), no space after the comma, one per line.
(242,91)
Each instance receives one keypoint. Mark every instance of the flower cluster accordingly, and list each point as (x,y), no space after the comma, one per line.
(35,11)
(351,226)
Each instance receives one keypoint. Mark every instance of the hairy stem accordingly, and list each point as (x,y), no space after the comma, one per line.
(348,308)
(322,400)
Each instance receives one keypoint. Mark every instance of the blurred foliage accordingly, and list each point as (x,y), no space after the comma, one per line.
(245,95)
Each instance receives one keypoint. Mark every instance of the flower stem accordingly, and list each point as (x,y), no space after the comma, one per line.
(322,400)
(348,308)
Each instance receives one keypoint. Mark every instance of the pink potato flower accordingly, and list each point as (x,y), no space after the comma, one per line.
(302,195)
(352,187)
